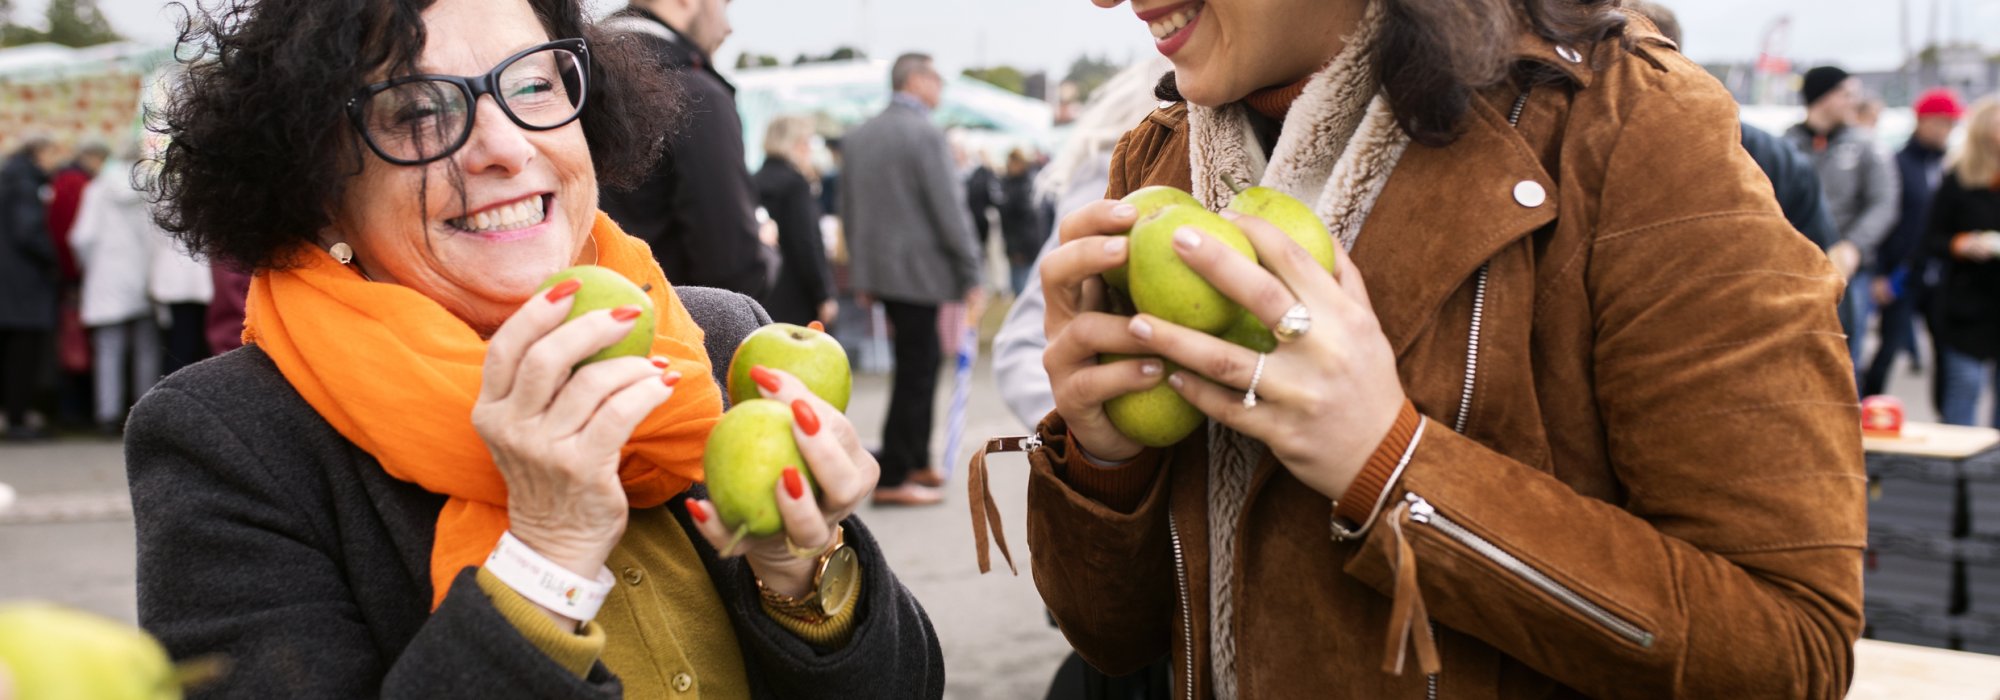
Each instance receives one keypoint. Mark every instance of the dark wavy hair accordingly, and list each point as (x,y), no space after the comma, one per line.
(1432,56)
(259,150)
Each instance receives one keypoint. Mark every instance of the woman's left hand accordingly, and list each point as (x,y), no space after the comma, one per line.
(1326,399)
(846,474)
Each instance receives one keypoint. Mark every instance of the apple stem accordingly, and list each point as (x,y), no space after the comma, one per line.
(742,531)
(200,671)
(647,288)
(1234,186)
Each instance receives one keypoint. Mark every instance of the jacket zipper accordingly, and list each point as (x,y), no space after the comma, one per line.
(1422,512)
(1187,613)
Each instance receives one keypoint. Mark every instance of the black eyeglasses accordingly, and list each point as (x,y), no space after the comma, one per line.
(418,119)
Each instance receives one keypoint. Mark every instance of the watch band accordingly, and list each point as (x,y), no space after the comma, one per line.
(818,603)
(547,583)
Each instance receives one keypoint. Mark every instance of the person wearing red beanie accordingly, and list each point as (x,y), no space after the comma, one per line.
(1899,284)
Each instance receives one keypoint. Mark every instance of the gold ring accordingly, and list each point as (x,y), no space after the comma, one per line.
(1294,324)
(801,552)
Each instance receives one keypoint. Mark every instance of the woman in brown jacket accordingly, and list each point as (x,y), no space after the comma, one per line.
(1587,429)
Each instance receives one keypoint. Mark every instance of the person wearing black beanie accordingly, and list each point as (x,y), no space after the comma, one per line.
(1859,182)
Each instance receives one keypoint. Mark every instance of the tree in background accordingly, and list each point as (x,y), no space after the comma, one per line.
(1089,72)
(756,60)
(74,23)
(844,53)
(1006,78)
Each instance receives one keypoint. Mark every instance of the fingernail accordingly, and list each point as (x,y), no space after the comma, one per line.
(1140,328)
(661,361)
(795,484)
(695,509)
(563,289)
(765,378)
(1115,245)
(1186,237)
(671,379)
(1230,215)
(802,413)
(815,325)
(1150,369)
(1124,211)
(1175,380)
(625,313)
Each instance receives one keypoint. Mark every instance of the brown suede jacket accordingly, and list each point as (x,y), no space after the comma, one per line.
(1659,488)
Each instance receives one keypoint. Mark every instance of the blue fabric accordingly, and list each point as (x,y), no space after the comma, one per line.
(1965,378)
(1855,305)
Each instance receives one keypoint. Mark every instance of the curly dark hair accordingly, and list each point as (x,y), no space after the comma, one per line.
(1432,56)
(259,150)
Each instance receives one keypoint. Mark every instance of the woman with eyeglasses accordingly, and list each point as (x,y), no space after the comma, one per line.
(404,485)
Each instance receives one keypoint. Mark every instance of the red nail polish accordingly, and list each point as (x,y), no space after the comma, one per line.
(795,484)
(766,378)
(815,325)
(625,313)
(563,289)
(802,413)
(661,361)
(671,379)
(700,514)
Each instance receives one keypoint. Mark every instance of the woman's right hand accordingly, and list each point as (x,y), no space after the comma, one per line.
(556,436)
(1079,329)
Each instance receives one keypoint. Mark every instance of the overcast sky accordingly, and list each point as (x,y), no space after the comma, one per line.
(1048,34)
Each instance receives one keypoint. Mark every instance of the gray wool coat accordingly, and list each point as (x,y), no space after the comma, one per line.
(267,537)
(902,207)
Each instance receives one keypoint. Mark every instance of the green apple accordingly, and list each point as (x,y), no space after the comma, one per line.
(55,652)
(1162,283)
(747,453)
(1251,333)
(604,288)
(1291,216)
(1156,417)
(1147,200)
(812,356)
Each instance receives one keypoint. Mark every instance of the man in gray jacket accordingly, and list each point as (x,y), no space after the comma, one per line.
(911,244)
(1859,182)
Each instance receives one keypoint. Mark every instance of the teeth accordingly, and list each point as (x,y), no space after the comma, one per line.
(1166,26)
(522,214)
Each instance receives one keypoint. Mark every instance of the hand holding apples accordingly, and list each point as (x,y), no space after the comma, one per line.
(555,409)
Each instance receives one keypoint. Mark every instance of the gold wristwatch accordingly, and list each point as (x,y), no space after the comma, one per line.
(835,584)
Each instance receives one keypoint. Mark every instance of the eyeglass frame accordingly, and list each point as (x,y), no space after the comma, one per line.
(475,87)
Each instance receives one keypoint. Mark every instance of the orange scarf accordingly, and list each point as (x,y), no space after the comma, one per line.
(397,375)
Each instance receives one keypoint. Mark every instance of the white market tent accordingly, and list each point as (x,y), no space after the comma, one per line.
(843,94)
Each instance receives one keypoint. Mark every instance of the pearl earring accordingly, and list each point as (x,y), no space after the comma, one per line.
(342,252)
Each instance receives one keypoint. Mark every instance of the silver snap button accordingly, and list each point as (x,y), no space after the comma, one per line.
(1569,54)
(1166,104)
(1530,194)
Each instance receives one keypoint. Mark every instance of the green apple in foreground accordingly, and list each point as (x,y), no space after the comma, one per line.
(1291,216)
(1251,333)
(55,652)
(1162,283)
(1156,417)
(1148,200)
(604,288)
(812,356)
(746,455)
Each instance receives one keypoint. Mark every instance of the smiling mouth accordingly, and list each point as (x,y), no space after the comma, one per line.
(518,215)
(1166,27)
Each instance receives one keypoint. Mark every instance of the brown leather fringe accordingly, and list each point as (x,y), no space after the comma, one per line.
(1407,617)
(984,512)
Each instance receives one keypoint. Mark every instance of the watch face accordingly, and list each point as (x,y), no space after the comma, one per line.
(839,582)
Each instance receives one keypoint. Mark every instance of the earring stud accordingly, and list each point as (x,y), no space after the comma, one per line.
(341,252)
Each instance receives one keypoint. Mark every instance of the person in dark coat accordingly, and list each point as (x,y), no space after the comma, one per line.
(1022,228)
(982,194)
(697,208)
(414,480)
(803,291)
(1964,232)
(1900,266)
(28,282)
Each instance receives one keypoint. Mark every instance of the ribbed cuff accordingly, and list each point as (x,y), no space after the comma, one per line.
(831,633)
(572,651)
(1359,502)
(1120,487)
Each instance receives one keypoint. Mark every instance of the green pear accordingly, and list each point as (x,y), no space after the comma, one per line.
(604,288)
(1156,417)
(1148,200)
(1291,216)
(746,455)
(1162,283)
(55,652)
(811,355)
(1251,333)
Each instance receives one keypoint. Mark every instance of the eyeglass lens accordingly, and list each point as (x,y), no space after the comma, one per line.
(425,119)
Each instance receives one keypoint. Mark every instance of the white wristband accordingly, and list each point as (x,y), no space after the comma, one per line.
(547,583)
